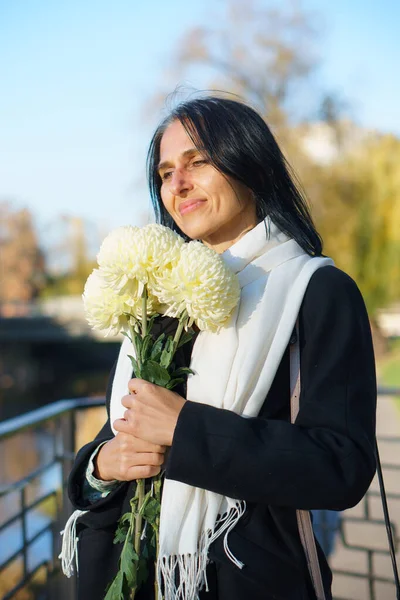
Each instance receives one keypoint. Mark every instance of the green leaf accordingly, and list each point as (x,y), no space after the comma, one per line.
(134,506)
(153,543)
(174,382)
(121,532)
(186,337)
(147,341)
(145,500)
(155,373)
(157,483)
(151,511)
(157,348)
(135,366)
(122,528)
(150,322)
(126,518)
(135,326)
(115,590)
(127,588)
(129,562)
(138,342)
(120,536)
(182,371)
(168,353)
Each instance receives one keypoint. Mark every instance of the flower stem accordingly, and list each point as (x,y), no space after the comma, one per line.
(138,523)
(183,319)
(140,482)
(129,534)
(144,312)
(138,518)
(137,353)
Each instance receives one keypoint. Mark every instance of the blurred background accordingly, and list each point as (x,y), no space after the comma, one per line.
(83,85)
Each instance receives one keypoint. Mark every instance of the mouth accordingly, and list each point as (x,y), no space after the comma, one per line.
(190,205)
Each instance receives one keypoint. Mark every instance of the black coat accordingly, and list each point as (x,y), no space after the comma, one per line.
(325,461)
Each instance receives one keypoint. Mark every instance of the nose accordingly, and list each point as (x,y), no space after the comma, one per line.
(180,182)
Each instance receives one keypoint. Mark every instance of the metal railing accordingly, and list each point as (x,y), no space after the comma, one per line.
(62,417)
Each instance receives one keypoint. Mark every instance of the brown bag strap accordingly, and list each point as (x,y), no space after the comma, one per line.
(303,516)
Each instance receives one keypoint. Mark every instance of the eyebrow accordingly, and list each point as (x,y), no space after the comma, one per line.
(185,154)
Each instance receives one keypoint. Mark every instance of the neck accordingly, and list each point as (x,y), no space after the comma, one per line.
(222,243)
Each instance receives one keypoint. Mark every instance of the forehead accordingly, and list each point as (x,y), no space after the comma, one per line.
(174,141)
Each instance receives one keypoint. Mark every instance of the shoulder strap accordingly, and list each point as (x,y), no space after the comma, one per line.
(389,531)
(303,516)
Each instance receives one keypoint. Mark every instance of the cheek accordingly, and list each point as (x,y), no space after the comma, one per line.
(222,191)
(228,201)
(166,200)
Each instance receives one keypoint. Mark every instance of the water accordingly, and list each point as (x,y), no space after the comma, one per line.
(40,550)
(23,453)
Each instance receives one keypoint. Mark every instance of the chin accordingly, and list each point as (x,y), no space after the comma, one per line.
(193,236)
(194,233)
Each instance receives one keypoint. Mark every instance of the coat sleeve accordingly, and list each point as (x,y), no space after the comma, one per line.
(76,479)
(326,460)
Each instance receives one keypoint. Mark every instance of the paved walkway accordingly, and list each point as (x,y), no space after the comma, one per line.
(372,535)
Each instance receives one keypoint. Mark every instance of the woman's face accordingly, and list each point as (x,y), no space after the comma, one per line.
(205,204)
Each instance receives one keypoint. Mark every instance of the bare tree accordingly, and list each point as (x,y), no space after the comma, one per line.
(22,269)
(262,53)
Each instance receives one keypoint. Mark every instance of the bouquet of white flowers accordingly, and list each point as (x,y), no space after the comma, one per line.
(146,272)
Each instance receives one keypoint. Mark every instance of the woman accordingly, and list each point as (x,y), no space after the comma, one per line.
(216,174)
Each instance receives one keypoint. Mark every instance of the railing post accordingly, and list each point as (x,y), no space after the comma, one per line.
(61,415)
(24,532)
(67,449)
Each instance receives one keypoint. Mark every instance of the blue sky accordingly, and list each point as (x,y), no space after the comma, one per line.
(76,77)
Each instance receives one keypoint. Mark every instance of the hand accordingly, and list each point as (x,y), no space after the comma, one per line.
(126,458)
(152,412)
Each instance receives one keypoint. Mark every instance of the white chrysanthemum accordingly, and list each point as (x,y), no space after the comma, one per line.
(131,255)
(135,305)
(108,311)
(202,284)
(104,308)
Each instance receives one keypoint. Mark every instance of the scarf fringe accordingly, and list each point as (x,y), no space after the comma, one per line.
(191,573)
(69,549)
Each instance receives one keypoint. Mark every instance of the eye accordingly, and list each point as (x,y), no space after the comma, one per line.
(199,162)
(166,175)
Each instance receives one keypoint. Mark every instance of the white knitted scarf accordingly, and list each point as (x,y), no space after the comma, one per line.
(233,369)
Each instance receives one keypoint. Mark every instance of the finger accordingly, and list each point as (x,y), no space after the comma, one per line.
(149,459)
(143,446)
(122,426)
(139,386)
(138,445)
(142,472)
(134,385)
(127,401)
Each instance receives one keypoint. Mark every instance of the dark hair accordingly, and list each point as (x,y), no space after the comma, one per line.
(238,142)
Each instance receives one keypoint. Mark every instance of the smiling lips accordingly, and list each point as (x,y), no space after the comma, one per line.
(190,205)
